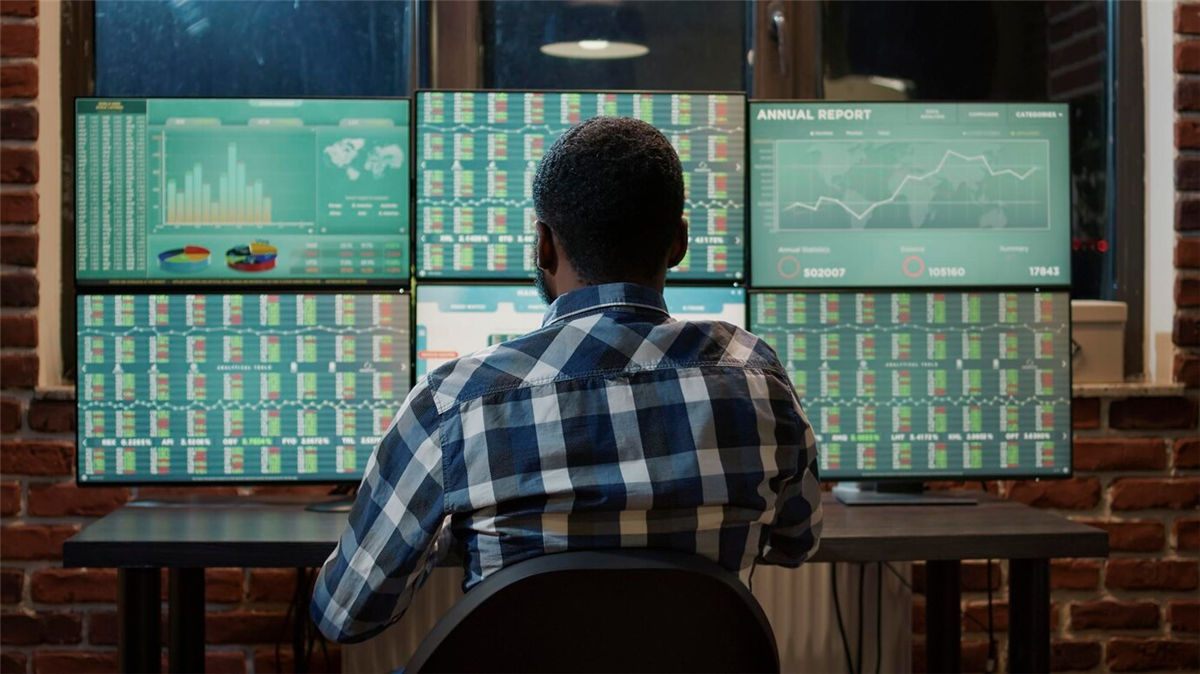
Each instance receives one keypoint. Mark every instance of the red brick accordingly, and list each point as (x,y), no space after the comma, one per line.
(18,80)
(1085,413)
(52,416)
(19,40)
(74,586)
(10,411)
(1136,493)
(329,662)
(12,585)
(36,457)
(1132,535)
(1156,413)
(1187,252)
(223,585)
(18,289)
(17,330)
(1187,95)
(35,541)
(19,208)
(1187,169)
(31,629)
(229,662)
(1114,615)
(1120,454)
(975,617)
(12,663)
(64,498)
(1187,137)
(1074,656)
(973,656)
(1187,453)
(1080,493)
(272,584)
(19,165)
(1187,533)
(1152,574)
(148,493)
(18,370)
(1074,574)
(1187,210)
(103,628)
(19,8)
(1187,17)
(1187,292)
(1183,615)
(1187,369)
(244,627)
(19,249)
(10,499)
(75,662)
(18,122)
(1140,655)
(1187,57)
(293,490)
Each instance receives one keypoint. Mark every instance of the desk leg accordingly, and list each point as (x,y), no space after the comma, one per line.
(943,621)
(139,605)
(185,634)
(1029,615)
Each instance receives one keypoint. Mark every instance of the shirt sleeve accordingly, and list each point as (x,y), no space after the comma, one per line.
(795,533)
(386,552)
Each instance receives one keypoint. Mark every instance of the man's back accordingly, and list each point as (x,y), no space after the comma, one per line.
(612,426)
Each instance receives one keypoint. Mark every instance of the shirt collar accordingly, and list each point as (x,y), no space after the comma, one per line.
(628,296)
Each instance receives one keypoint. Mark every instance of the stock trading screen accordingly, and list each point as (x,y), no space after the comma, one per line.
(455,320)
(909,194)
(928,384)
(189,190)
(477,153)
(239,388)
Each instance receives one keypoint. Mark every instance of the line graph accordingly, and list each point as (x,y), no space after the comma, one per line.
(910,184)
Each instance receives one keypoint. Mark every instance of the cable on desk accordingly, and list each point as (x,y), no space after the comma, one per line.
(837,607)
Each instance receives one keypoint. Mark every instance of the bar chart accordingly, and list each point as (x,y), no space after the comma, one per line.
(237,201)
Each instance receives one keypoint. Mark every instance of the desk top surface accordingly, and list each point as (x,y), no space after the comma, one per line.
(273,533)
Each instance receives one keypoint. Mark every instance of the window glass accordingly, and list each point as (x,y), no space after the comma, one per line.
(252,48)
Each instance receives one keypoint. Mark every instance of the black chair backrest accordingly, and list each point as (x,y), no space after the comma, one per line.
(603,611)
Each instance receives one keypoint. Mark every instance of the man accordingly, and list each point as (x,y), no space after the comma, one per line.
(611,426)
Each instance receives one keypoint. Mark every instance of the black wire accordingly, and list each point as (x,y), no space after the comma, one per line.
(905,583)
(837,607)
(878,616)
(858,648)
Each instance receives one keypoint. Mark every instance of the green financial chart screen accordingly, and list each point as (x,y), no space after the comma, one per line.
(927,385)
(909,194)
(193,190)
(477,153)
(237,387)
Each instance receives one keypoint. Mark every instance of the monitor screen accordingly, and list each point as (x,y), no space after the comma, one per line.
(455,320)
(237,388)
(928,385)
(477,153)
(254,190)
(909,194)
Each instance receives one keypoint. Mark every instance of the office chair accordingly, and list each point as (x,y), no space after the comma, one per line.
(603,611)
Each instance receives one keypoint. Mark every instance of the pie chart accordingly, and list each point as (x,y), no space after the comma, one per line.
(257,256)
(186,260)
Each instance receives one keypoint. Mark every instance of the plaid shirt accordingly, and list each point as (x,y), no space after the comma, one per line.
(611,426)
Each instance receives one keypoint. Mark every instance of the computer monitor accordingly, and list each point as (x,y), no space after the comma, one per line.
(237,388)
(909,194)
(256,190)
(477,153)
(455,320)
(928,385)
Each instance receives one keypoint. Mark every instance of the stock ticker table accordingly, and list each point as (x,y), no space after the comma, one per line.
(187,536)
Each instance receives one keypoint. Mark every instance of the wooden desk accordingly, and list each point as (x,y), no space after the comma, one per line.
(187,536)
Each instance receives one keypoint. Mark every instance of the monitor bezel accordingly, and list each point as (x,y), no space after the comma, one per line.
(926,478)
(751,102)
(296,284)
(234,482)
(744,281)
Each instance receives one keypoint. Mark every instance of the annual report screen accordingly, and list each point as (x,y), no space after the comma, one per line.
(187,190)
(477,153)
(927,384)
(455,320)
(909,194)
(237,387)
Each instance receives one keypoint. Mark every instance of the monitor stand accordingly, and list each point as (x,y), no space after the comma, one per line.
(897,493)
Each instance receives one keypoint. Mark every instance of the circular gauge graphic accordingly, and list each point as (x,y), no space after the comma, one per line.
(186,260)
(789,266)
(913,266)
(257,256)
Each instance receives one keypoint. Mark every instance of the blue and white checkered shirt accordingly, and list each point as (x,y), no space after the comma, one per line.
(611,426)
